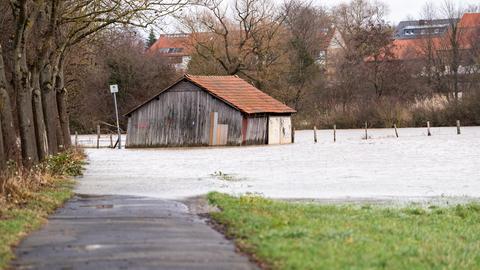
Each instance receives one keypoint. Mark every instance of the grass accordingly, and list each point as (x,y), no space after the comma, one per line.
(282,235)
(27,197)
(16,222)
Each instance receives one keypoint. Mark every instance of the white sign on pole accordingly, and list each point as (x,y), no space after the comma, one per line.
(113,88)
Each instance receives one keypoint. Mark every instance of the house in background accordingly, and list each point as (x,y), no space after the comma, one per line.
(331,46)
(209,110)
(421,28)
(468,36)
(176,48)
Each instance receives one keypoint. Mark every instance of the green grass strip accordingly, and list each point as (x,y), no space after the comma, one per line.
(16,222)
(285,235)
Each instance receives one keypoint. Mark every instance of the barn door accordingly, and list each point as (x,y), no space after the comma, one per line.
(273,130)
(218,132)
(285,130)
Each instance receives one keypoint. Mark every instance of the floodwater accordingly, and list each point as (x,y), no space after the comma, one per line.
(410,168)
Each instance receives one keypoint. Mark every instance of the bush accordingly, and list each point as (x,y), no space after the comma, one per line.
(69,163)
(18,184)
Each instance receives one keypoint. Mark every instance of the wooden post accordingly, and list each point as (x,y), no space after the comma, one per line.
(315,134)
(111,140)
(366,130)
(458,128)
(98,136)
(396,131)
(76,139)
(334,133)
(428,129)
(213,128)
(293,134)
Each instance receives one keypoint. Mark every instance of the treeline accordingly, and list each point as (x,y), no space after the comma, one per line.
(38,40)
(117,56)
(340,65)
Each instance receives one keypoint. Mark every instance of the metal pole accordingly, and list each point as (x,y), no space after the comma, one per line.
(118,123)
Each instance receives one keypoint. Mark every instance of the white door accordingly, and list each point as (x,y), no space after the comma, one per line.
(273,130)
(285,130)
(279,130)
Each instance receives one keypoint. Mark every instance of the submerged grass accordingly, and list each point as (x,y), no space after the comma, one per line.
(282,235)
(28,197)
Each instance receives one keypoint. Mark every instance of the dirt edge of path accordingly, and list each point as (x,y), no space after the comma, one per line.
(199,206)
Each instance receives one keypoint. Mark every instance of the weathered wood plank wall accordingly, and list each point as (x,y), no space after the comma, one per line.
(181,117)
(256,131)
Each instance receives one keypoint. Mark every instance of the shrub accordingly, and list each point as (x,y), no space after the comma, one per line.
(69,163)
(18,184)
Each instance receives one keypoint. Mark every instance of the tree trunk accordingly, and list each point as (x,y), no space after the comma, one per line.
(58,126)
(25,118)
(64,118)
(11,147)
(62,107)
(3,160)
(49,108)
(21,82)
(40,129)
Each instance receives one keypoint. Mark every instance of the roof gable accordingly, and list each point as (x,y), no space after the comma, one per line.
(235,92)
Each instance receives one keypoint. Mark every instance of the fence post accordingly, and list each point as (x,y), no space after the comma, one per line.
(366,130)
(293,134)
(98,136)
(458,128)
(76,139)
(315,134)
(428,129)
(396,131)
(334,133)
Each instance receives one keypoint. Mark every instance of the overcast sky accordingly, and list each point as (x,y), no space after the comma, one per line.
(402,9)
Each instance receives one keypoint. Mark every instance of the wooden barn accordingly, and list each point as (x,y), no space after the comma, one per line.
(209,110)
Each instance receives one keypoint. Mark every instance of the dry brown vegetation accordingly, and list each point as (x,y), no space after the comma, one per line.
(18,186)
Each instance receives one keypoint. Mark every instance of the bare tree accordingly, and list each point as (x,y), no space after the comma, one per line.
(242,40)
(114,56)
(451,45)
(43,34)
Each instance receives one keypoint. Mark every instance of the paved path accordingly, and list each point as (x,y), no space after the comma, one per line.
(119,232)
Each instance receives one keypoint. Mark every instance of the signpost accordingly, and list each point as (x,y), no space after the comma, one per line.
(114,91)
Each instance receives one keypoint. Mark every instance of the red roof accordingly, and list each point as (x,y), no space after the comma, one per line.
(468,33)
(408,49)
(173,41)
(236,92)
(240,94)
(470,20)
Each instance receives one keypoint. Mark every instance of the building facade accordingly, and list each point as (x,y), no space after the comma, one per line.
(209,111)
(177,48)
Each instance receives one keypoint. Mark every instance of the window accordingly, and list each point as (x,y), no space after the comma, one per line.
(170,50)
(175,50)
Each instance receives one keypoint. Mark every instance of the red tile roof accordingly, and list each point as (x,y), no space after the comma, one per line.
(468,33)
(234,91)
(173,41)
(470,20)
(409,49)
(240,94)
